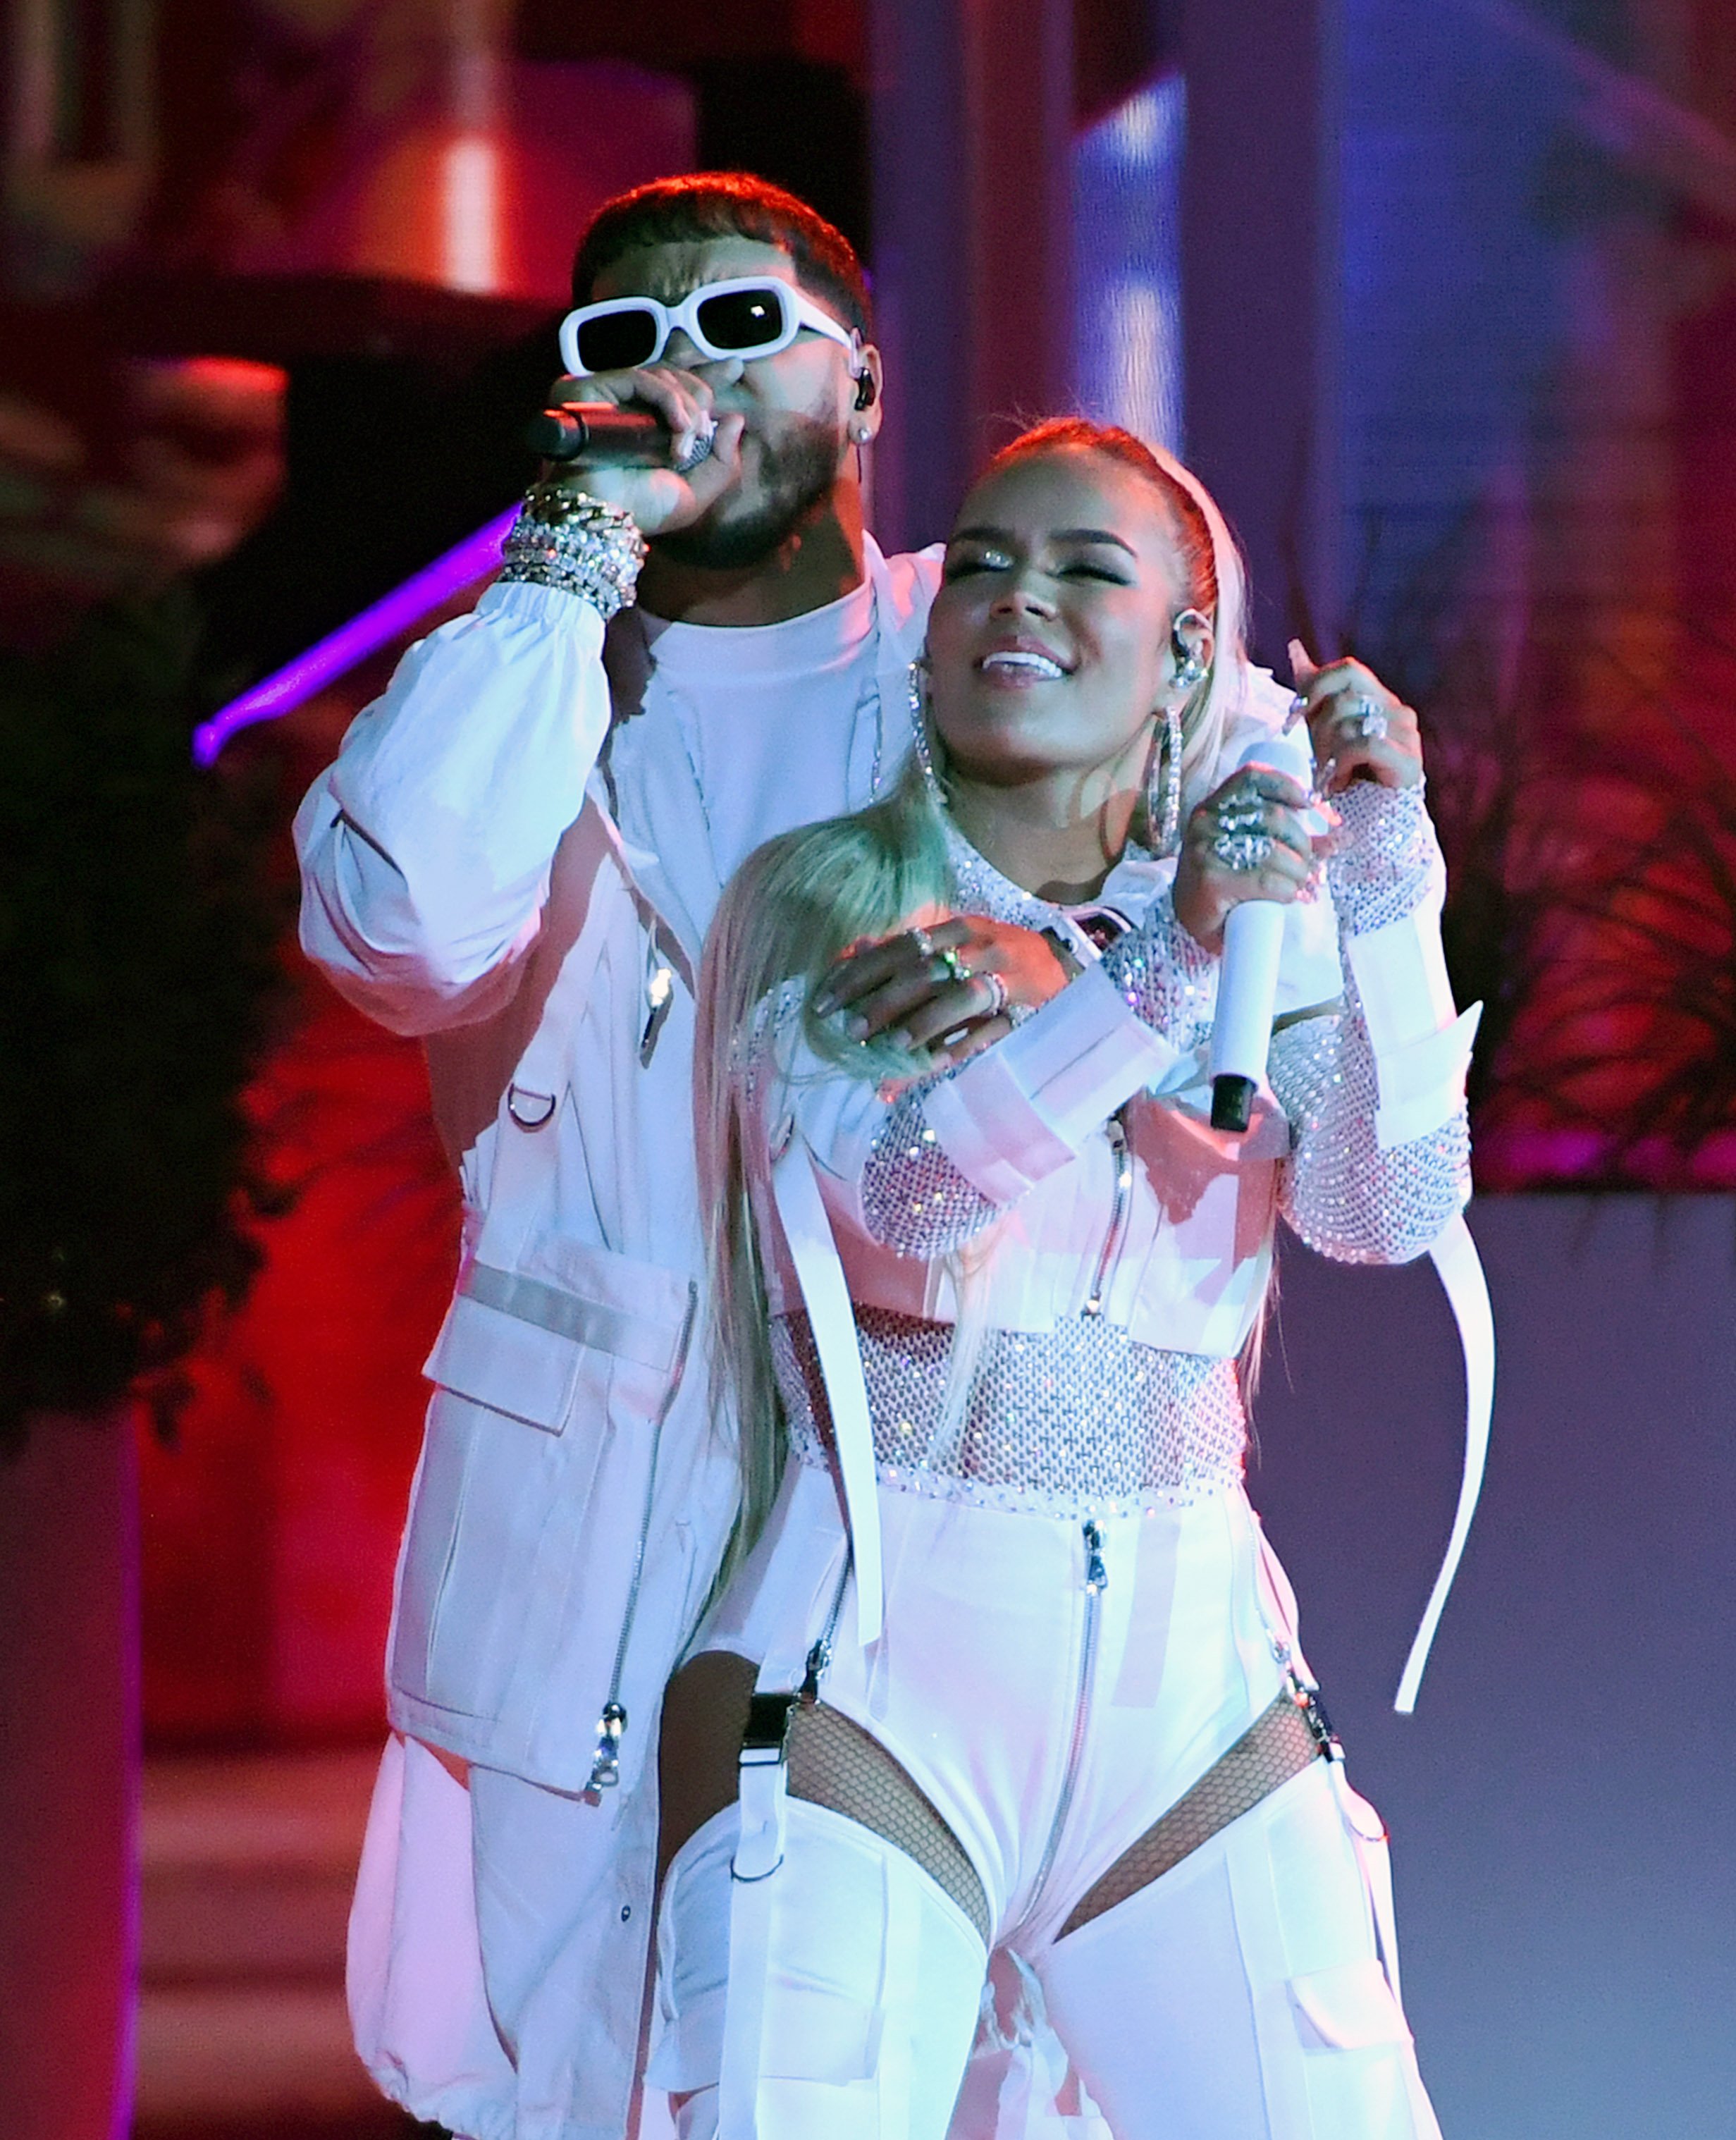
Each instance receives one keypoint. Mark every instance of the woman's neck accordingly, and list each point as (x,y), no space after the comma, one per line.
(1057,835)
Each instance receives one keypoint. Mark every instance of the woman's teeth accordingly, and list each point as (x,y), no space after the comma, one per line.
(1032,665)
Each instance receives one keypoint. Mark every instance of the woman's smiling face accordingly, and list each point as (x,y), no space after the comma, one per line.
(1049,640)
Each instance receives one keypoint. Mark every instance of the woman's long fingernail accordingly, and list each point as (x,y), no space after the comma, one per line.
(857,1028)
(825,1004)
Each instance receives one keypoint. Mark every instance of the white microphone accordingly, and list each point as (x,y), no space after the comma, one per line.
(1254,937)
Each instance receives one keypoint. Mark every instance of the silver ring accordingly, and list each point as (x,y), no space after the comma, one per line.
(999,991)
(948,957)
(923,942)
(705,432)
(1240,841)
(1364,719)
(1243,852)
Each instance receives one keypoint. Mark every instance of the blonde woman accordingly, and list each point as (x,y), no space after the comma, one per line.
(1024,1672)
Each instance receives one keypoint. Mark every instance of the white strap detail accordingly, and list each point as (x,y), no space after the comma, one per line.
(1455,1258)
(763,1796)
(825,1295)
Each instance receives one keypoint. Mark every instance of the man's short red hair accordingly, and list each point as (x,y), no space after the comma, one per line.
(726,204)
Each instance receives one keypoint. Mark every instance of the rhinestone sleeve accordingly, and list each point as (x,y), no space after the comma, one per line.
(1339,1190)
(1386,858)
(914,1200)
(1165,978)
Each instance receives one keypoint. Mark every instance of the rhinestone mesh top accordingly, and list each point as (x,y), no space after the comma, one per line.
(1084,1415)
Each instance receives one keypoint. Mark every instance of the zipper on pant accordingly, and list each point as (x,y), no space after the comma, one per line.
(819,1658)
(1097,1582)
(612,1724)
(1116,1131)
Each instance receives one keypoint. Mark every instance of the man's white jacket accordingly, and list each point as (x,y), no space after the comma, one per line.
(501,864)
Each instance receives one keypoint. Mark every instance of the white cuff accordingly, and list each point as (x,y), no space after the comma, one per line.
(1401,977)
(1023,1110)
(1422,1084)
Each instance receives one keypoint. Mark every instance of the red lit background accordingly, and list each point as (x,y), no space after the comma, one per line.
(1443,305)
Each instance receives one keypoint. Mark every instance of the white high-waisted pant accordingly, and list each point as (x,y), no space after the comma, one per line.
(1242,1996)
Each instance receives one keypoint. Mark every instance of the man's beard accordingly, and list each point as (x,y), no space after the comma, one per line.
(795,477)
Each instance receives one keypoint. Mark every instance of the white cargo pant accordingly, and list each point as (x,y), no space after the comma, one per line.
(497,1950)
(1242,1996)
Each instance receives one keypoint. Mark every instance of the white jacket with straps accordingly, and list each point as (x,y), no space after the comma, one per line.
(472,875)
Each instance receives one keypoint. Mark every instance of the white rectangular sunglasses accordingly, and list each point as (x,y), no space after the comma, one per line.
(747,316)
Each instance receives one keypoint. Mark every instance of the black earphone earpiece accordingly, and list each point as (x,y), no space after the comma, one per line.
(866,392)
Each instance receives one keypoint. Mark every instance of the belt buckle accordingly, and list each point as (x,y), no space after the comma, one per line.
(766,1740)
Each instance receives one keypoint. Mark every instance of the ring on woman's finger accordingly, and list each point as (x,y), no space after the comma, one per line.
(1240,849)
(923,942)
(1365,720)
(1240,840)
(998,993)
(954,966)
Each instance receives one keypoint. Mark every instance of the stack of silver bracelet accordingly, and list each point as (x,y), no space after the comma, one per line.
(567,539)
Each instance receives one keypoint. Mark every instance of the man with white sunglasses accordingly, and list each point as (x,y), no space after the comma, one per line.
(520,868)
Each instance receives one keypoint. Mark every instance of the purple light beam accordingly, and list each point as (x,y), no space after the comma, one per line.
(327,659)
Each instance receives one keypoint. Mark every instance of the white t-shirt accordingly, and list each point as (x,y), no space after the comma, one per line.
(775,725)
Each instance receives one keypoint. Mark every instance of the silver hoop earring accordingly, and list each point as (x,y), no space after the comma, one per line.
(1163,786)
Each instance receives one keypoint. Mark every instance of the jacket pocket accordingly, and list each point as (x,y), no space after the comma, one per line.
(515,1343)
(535,1472)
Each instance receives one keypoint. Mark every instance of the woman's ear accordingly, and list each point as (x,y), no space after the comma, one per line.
(1191,643)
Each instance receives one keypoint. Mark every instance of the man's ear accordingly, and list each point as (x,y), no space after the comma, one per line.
(870,379)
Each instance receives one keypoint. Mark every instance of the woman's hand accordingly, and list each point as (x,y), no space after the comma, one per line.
(948,990)
(1360,730)
(1250,839)
(659,500)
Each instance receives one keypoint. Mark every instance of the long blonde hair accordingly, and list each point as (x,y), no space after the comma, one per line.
(800,900)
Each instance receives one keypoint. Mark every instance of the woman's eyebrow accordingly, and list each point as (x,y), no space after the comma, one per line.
(1056,535)
(1095,535)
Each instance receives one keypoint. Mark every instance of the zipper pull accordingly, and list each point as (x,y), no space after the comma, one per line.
(660,990)
(818,1658)
(1096,1575)
(605,1768)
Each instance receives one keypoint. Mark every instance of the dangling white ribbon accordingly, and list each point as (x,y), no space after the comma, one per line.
(1455,1258)
(825,1295)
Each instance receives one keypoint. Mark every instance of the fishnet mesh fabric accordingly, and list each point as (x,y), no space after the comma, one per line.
(1276,1746)
(914,1199)
(1341,1193)
(1068,1422)
(835,1764)
(1386,858)
(1166,977)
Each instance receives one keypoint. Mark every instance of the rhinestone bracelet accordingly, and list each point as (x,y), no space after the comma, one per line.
(567,539)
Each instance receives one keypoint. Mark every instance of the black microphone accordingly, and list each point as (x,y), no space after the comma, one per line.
(603,431)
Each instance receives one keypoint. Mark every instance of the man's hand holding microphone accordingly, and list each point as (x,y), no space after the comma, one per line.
(667,464)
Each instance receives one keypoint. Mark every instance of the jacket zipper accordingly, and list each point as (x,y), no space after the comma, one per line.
(612,1724)
(1097,1582)
(1116,1132)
